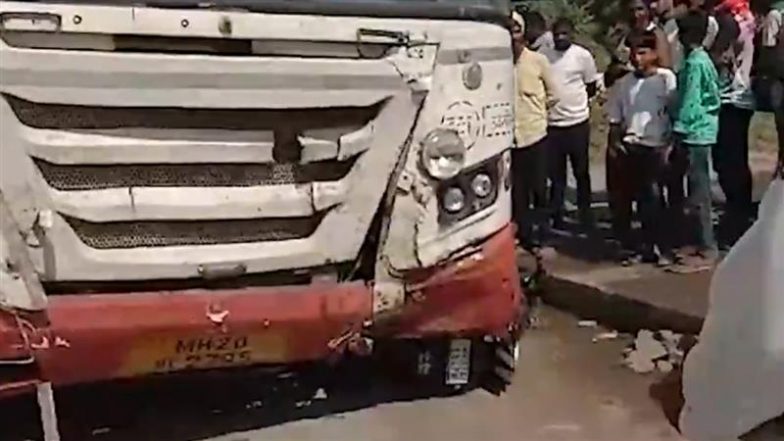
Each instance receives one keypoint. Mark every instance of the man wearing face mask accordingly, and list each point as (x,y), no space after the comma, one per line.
(574,70)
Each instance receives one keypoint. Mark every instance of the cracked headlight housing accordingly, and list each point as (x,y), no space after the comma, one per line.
(443,153)
(471,191)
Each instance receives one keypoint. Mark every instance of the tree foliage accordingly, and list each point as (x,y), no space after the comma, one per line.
(594,20)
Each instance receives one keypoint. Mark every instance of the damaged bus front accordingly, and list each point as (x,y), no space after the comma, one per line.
(190,185)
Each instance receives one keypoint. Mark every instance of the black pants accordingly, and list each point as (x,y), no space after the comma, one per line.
(570,144)
(529,194)
(673,183)
(731,162)
(621,185)
(647,165)
(777,100)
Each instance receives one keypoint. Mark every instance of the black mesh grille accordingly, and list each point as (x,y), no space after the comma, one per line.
(60,116)
(95,177)
(113,235)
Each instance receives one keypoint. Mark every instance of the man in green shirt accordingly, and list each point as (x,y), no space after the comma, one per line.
(696,128)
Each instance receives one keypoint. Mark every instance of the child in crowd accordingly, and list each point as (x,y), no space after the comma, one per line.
(696,129)
(640,133)
(620,177)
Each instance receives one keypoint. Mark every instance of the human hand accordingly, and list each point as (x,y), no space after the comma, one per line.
(615,149)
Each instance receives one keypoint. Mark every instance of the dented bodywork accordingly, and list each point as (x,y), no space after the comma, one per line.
(196,149)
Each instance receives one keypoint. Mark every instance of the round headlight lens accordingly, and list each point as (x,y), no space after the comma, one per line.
(443,153)
(482,185)
(453,200)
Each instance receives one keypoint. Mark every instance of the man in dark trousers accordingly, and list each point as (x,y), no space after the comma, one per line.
(574,69)
(733,54)
(536,92)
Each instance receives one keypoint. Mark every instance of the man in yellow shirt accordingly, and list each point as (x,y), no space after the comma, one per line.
(536,92)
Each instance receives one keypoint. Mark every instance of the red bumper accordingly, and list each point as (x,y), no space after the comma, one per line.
(91,337)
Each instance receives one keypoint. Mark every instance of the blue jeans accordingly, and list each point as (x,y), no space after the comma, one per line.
(699,222)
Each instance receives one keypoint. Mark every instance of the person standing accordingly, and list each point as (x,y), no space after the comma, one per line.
(696,131)
(536,92)
(770,63)
(733,54)
(640,131)
(575,71)
(641,19)
(671,11)
(621,178)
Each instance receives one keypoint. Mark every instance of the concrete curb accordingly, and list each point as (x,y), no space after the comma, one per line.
(615,309)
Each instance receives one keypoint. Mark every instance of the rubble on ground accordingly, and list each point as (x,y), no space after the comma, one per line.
(603,336)
(656,350)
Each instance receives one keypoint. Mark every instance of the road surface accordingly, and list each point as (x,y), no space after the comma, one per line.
(567,389)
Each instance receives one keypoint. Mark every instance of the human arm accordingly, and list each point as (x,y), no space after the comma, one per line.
(614,109)
(671,89)
(663,49)
(615,140)
(711,32)
(767,52)
(688,109)
(590,74)
(550,84)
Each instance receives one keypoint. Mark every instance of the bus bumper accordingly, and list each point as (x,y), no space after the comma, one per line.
(93,337)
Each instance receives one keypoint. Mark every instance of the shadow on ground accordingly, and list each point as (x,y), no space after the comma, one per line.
(199,406)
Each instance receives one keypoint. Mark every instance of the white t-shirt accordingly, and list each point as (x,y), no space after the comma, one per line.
(572,69)
(641,106)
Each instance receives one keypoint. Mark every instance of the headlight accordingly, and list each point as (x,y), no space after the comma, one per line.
(474,189)
(443,153)
(454,200)
(482,185)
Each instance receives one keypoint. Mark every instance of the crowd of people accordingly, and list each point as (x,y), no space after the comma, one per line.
(682,87)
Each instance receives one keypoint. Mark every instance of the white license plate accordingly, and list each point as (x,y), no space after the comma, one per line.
(458,367)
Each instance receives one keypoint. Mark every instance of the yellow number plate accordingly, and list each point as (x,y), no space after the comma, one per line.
(176,353)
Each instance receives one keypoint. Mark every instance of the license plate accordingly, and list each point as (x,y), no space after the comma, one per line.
(177,353)
(458,367)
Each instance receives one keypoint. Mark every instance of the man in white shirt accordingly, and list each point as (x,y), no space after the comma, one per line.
(574,70)
(640,132)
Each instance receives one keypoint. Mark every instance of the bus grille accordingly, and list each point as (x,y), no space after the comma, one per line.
(96,177)
(61,116)
(130,234)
